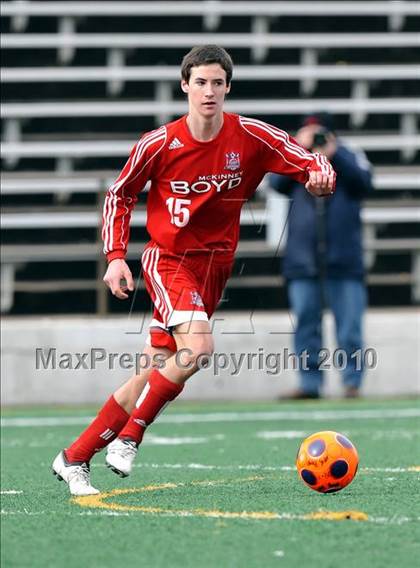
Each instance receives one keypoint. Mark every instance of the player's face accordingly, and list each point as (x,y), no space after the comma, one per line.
(206,89)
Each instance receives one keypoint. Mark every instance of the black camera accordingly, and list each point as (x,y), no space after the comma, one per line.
(320,138)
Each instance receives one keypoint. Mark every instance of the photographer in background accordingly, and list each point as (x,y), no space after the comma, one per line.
(323,262)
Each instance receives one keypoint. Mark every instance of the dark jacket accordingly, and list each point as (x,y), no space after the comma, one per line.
(324,234)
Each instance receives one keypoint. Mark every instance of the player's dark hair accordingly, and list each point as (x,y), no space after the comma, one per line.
(206,55)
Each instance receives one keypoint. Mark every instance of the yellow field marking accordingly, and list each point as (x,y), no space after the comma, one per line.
(100,502)
(414,468)
(337,515)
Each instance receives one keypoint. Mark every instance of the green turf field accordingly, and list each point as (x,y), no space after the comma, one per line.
(215,485)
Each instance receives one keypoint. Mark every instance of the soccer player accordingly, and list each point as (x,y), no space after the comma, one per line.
(203,167)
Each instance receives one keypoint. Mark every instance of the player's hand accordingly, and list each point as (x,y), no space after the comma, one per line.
(320,184)
(114,278)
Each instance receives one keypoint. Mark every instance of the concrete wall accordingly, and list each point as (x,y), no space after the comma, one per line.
(394,335)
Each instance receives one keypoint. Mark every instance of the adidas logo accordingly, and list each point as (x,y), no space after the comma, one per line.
(175,144)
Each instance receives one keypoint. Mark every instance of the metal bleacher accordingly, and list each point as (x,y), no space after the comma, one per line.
(81,80)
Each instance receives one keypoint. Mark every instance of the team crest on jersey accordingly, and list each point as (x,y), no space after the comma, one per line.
(232,161)
(196,299)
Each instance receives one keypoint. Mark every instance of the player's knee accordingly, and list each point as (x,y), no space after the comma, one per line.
(197,349)
(203,346)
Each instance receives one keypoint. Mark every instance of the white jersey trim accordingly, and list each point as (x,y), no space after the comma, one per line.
(167,305)
(150,260)
(243,124)
(183,316)
(157,323)
(110,205)
(279,134)
(294,149)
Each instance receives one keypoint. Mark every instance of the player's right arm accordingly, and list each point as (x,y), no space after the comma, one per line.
(119,203)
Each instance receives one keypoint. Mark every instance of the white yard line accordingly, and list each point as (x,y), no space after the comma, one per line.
(230,417)
(103,513)
(149,440)
(24,512)
(207,467)
(281,434)
(152,440)
(45,421)
(401,434)
(10,492)
(393,520)
(256,467)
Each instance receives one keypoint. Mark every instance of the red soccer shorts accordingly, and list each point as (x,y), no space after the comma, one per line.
(183,288)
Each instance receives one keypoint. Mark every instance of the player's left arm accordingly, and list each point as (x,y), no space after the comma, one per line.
(282,154)
(313,169)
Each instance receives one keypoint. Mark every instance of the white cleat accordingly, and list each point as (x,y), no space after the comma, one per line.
(76,475)
(120,455)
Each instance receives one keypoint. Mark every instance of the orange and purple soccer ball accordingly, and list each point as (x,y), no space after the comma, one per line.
(327,461)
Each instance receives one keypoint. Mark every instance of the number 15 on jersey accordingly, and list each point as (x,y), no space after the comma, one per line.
(180,215)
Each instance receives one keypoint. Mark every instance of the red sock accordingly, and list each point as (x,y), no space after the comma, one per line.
(158,392)
(100,433)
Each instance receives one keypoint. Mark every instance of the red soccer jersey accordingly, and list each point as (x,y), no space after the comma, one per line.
(198,188)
